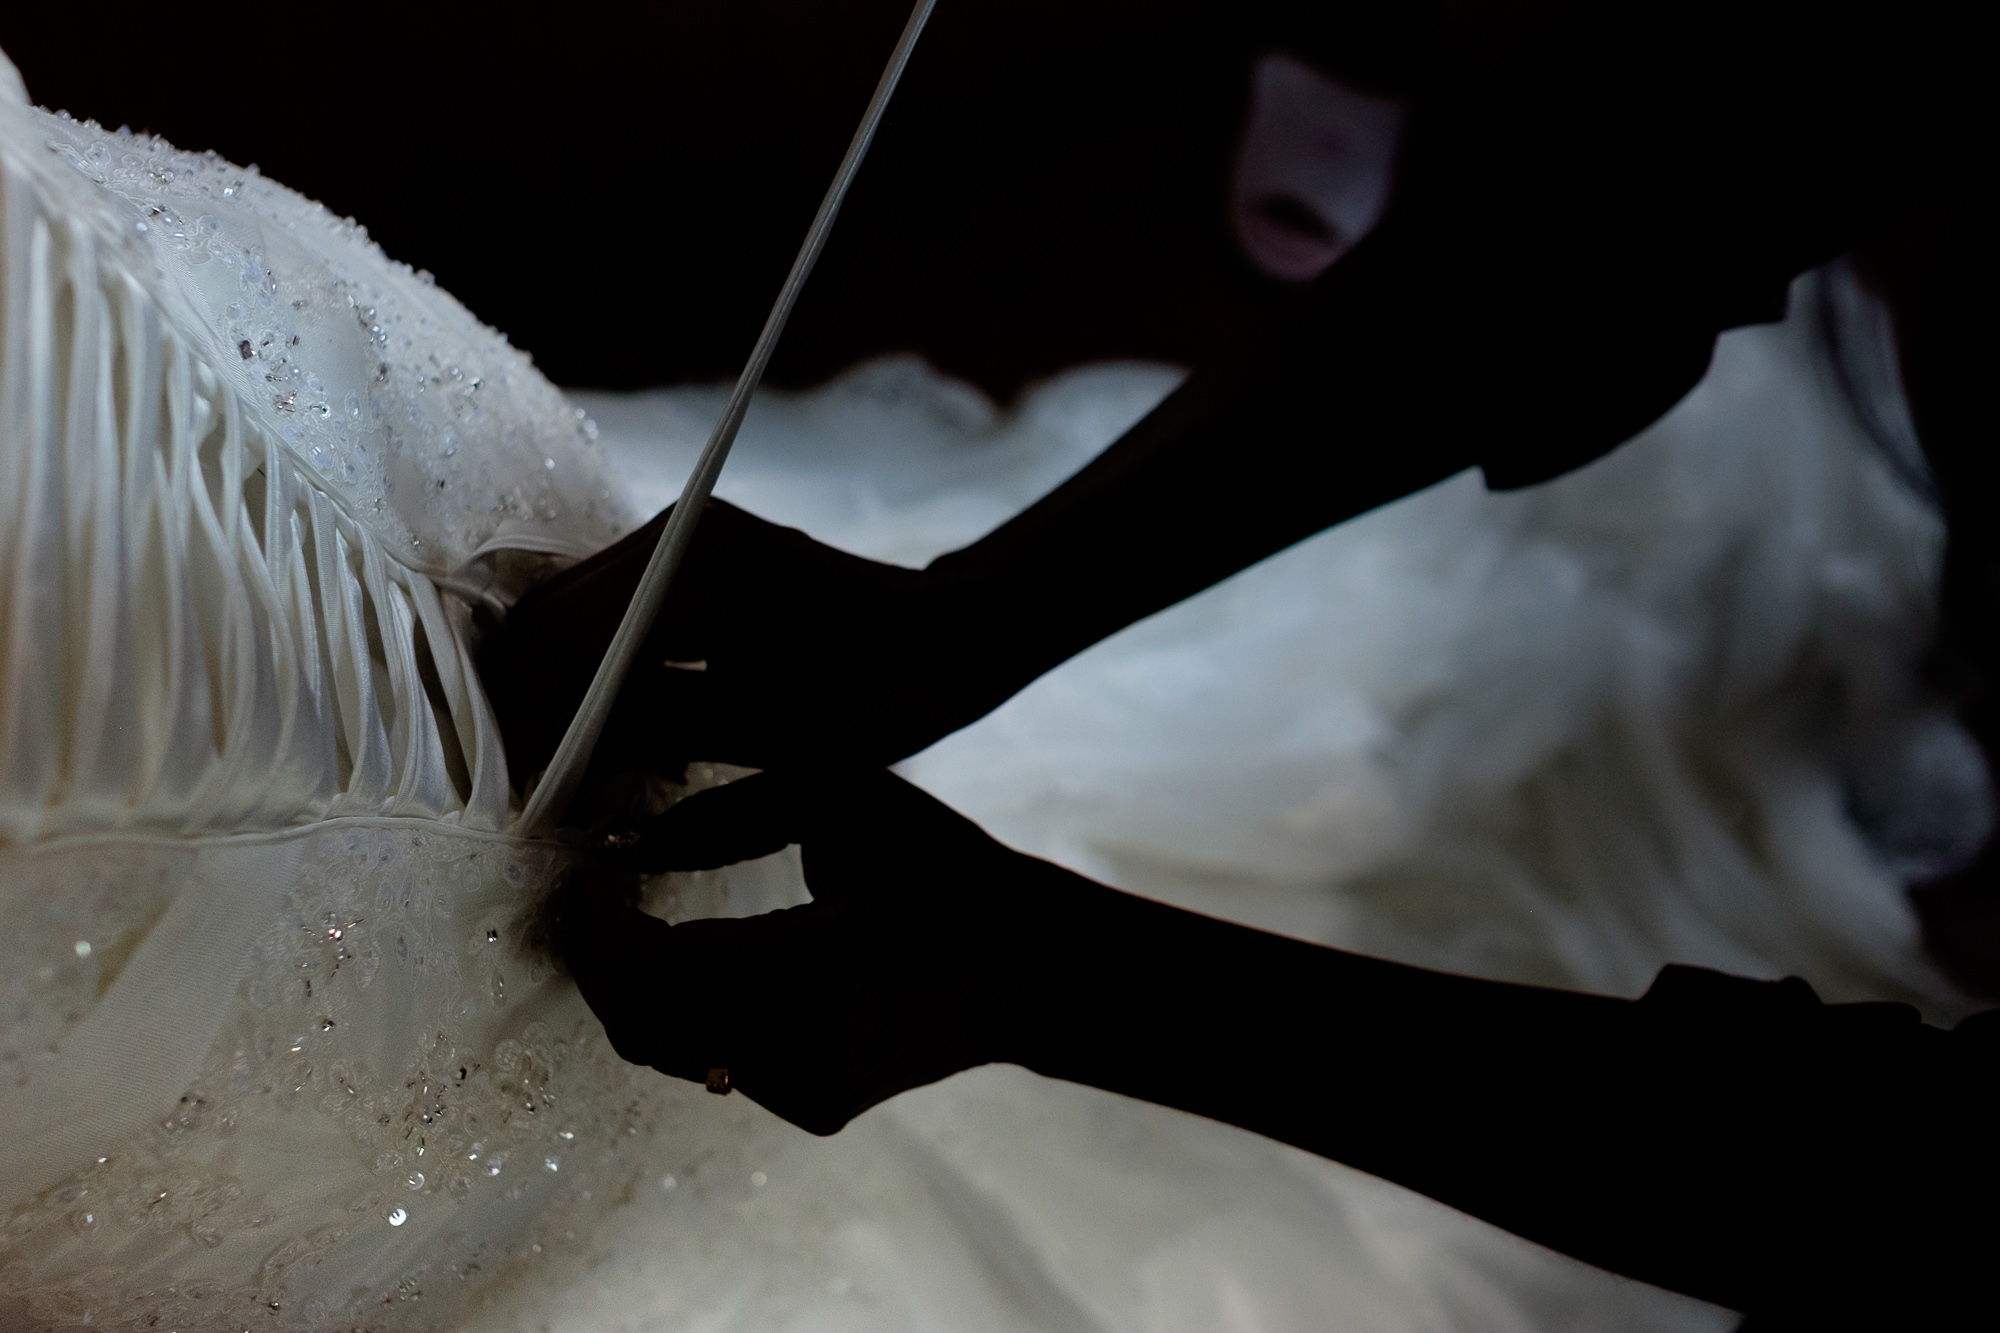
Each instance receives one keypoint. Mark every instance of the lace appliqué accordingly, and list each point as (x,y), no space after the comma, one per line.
(444,1102)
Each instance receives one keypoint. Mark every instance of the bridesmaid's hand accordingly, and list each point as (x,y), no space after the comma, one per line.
(771,649)
(897,974)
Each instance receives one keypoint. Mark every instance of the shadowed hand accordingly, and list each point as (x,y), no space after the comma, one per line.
(895,975)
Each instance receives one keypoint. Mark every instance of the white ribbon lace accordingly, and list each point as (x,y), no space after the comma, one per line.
(194,637)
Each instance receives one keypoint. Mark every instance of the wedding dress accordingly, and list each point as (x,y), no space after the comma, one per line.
(276,1042)
(278,1048)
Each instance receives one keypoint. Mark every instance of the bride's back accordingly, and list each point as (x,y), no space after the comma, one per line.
(274,1041)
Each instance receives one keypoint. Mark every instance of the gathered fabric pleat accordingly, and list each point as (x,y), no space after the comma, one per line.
(194,637)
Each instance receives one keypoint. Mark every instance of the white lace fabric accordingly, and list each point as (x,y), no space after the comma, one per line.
(198,639)
(236,437)
(423,424)
(316,1077)
(277,1044)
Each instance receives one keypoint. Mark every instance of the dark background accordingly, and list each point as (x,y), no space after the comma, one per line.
(621,188)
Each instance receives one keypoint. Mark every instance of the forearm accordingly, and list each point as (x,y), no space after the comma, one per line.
(1400,368)
(1326,1050)
(1581,208)
(1731,1139)
(1289,435)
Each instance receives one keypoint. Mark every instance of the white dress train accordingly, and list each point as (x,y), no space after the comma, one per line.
(277,1050)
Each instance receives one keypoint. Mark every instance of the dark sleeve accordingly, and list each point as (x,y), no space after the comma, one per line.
(1812,1165)
(1395,372)
(1582,207)
(1815,1166)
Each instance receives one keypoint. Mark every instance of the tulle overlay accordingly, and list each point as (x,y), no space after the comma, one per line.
(278,1043)
(315,1080)
(280,1050)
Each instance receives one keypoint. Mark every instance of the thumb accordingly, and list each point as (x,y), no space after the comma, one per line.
(741,821)
(616,954)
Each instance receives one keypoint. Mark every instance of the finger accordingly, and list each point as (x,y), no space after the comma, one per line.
(649,729)
(630,970)
(570,618)
(592,906)
(735,994)
(588,597)
(612,947)
(670,712)
(875,837)
(614,951)
(807,1103)
(918,820)
(746,819)
(732,585)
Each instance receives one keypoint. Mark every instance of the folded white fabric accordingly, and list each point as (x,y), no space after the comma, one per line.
(274,1040)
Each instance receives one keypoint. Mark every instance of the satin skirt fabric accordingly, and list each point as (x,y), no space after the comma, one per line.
(278,1043)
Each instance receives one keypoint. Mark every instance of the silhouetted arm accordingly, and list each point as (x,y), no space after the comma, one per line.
(1735,1140)
(1586,200)
(1391,375)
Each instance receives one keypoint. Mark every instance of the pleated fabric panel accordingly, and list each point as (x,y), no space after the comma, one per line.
(194,637)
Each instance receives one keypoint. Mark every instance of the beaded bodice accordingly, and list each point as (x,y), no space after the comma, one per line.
(438,437)
(277,1043)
